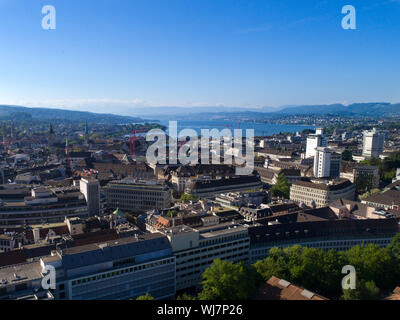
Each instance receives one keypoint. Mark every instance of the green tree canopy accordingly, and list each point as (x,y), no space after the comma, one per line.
(187,197)
(172,213)
(228,281)
(147,296)
(281,188)
(365,290)
(394,247)
(347,155)
(374,263)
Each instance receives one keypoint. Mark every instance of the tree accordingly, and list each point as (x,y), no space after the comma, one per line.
(347,155)
(273,265)
(364,182)
(172,213)
(147,296)
(228,281)
(186,297)
(374,263)
(369,193)
(281,188)
(187,197)
(394,247)
(365,290)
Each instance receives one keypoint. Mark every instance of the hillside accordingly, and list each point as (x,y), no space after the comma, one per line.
(16,112)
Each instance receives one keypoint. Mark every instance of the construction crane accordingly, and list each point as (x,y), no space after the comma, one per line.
(67,149)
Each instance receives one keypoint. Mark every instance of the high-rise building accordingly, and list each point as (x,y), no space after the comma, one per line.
(90,188)
(373,143)
(322,162)
(314,141)
(326,163)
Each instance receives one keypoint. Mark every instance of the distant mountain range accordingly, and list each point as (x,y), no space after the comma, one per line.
(355,109)
(371,109)
(16,112)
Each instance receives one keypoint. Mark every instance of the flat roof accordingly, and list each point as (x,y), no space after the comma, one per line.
(20,273)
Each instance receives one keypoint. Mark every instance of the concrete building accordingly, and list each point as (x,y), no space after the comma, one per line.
(121,269)
(319,192)
(341,234)
(352,171)
(314,141)
(90,188)
(212,188)
(326,163)
(134,195)
(196,249)
(373,143)
(44,205)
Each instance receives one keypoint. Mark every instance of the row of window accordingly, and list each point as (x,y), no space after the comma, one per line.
(123,271)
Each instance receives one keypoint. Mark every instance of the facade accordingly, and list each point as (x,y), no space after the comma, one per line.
(133,196)
(44,205)
(314,141)
(338,235)
(322,162)
(352,173)
(212,188)
(90,188)
(196,249)
(326,163)
(121,269)
(319,192)
(373,143)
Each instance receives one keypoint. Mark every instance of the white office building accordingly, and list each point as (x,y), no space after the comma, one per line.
(314,141)
(373,143)
(322,162)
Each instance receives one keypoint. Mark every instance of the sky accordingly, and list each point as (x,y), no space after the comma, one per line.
(118,55)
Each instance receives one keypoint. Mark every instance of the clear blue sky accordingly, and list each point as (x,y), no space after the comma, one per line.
(114,54)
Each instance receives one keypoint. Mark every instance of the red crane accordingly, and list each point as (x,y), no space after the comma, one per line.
(132,142)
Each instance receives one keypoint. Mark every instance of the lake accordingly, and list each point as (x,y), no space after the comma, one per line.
(260,129)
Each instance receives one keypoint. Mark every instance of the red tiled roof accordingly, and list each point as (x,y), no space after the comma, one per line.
(279,289)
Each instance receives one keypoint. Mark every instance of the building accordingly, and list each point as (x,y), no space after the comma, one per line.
(212,188)
(326,163)
(23,282)
(238,199)
(90,188)
(314,141)
(319,192)
(119,269)
(182,176)
(137,196)
(353,171)
(373,143)
(196,249)
(339,234)
(355,210)
(322,162)
(43,205)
